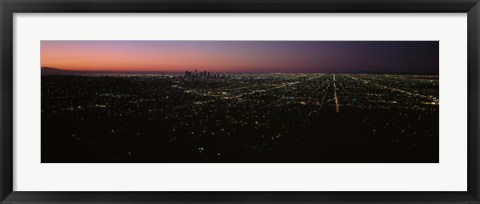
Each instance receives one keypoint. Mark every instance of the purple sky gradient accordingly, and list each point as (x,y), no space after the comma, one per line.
(244,56)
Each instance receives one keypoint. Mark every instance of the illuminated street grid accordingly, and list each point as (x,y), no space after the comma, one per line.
(240,118)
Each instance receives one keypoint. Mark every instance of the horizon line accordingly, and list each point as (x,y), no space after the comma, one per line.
(243,72)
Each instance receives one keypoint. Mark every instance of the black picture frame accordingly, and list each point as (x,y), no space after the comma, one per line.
(10,7)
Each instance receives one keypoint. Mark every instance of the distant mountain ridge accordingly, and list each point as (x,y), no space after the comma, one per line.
(56,71)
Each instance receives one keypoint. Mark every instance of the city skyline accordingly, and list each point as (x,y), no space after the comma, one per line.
(419,57)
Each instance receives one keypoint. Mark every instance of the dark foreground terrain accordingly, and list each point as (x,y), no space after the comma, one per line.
(240,118)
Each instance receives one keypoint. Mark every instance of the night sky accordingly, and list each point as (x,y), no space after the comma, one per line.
(420,57)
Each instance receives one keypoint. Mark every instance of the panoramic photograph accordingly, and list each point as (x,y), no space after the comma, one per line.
(135,101)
